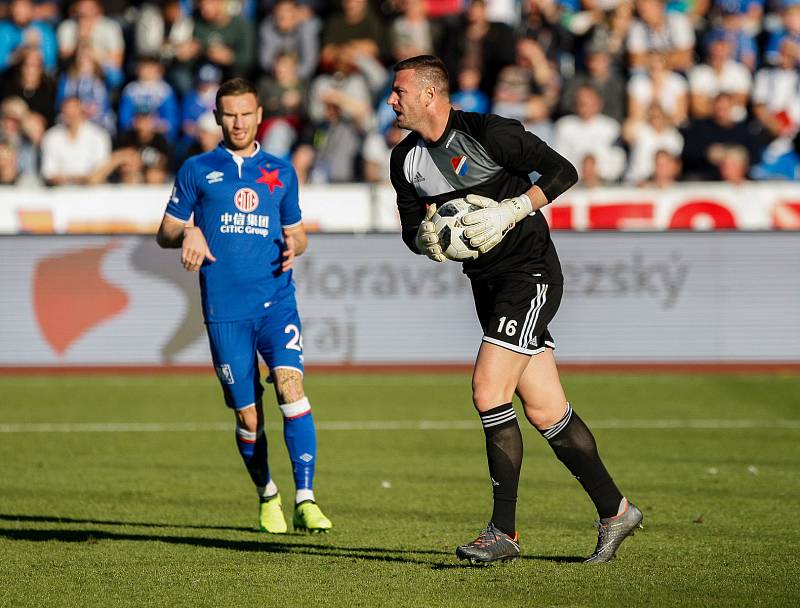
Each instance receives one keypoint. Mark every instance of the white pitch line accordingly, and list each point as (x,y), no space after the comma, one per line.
(386,425)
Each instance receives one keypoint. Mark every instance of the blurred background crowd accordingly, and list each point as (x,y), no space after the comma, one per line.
(643,92)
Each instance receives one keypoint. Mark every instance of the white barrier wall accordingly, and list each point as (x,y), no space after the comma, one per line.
(362,208)
(629,297)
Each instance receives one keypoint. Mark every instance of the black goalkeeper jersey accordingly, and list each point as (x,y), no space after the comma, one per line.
(492,156)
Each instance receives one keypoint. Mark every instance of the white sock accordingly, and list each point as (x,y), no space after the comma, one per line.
(303,495)
(268,490)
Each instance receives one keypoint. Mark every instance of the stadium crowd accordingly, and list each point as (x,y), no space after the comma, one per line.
(631,91)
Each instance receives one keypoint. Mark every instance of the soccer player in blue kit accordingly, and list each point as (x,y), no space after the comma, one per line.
(246,232)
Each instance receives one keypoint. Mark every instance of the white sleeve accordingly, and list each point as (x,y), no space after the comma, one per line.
(700,81)
(50,165)
(67,35)
(741,80)
(761,86)
(637,38)
(679,84)
(102,149)
(682,30)
(112,35)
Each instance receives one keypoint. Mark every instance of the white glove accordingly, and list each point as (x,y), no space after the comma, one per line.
(427,240)
(489,225)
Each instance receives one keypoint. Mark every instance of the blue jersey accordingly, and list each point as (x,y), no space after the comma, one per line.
(241,205)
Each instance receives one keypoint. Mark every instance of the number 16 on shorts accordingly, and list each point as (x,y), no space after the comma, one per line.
(517,316)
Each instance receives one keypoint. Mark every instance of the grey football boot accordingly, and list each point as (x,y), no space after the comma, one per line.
(611,531)
(492,545)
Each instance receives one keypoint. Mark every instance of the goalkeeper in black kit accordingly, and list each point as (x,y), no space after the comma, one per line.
(516,283)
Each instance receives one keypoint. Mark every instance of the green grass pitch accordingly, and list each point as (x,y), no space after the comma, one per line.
(157,510)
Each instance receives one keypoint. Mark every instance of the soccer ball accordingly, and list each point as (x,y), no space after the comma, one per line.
(447,223)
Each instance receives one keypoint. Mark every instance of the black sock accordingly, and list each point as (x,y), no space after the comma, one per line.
(574,445)
(504,453)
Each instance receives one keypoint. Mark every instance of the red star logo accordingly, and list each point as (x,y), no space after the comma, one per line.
(270,178)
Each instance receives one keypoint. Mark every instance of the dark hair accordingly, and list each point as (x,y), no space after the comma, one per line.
(235,86)
(429,70)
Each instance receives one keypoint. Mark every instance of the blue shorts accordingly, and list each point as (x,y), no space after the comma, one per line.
(235,347)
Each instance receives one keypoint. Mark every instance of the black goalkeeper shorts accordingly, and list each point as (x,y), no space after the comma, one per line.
(514,314)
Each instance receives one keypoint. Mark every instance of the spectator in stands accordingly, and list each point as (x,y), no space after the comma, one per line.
(141,155)
(603,76)
(589,172)
(780,161)
(286,31)
(476,42)
(200,100)
(347,80)
(704,139)
(541,21)
(84,79)
(658,85)
(776,97)
(731,26)
(658,31)
(695,10)
(150,91)
(23,130)
(23,31)
(284,97)
(163,30)
(377,151)
(751,13)
(75,148)
(468,97)
(43,10)
(666,171)
(613,35)
(720,74)
(208,135)
(9,171)
(29,81)
(341,116)
(789,30)
(225,40)
(528,90)
(589,132)
(584,19)
(734,164)
(645,139)
(412,33)
(356,29)
(88,25)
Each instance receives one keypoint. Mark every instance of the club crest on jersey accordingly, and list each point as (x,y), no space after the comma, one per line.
(460,165)
(246,199)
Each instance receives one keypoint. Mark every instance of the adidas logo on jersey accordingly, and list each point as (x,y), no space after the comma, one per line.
(215,177)
(418,178)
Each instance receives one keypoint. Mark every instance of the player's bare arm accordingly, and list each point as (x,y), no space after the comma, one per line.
(296,241)
(194,249)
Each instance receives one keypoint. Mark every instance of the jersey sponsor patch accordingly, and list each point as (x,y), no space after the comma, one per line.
(246,199)
(270,178)
(460,165)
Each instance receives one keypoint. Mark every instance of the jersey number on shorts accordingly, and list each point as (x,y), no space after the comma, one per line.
(296,342)
(511,326)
